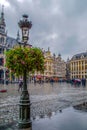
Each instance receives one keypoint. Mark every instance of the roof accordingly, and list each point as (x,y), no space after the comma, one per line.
(80,55)
(11,41)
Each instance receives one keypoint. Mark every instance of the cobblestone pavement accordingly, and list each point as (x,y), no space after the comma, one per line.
(44,100)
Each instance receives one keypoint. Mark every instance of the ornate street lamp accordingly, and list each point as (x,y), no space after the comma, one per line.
(25,25)
(24,105)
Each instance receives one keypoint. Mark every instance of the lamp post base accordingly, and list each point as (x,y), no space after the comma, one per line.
(23,124)
(24,111)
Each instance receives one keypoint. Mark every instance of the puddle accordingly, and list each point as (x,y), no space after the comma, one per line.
(72,118)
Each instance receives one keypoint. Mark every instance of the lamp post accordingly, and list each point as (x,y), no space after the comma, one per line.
(24,104)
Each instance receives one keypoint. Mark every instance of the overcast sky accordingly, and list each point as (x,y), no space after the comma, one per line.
(58,24)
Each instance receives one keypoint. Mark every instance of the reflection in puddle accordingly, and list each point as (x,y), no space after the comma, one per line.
(48,115)
(81,107)
(66,119)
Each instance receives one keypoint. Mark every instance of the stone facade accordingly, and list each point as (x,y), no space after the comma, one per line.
(6,42)
(55,66)
(78,66)
(61,67)
(3,37)
(68,69)
(48,64)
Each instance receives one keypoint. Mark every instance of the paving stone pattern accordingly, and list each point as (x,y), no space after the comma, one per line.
(44,100)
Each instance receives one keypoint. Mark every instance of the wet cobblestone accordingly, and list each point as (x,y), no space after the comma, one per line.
(44,100)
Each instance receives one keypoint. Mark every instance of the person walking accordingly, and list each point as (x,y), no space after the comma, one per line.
(83,82)
(51,81)
(20,85)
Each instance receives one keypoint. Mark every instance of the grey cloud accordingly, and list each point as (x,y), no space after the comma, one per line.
(74,8)
(67,19)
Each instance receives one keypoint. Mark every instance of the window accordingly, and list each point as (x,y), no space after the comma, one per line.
(1,61)
(0,50)
(2,39)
